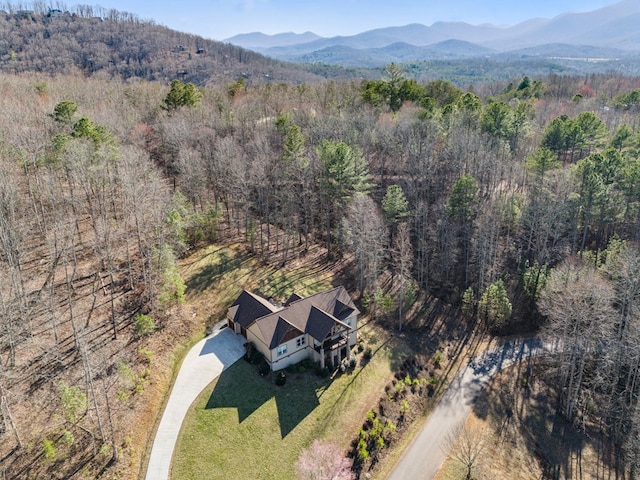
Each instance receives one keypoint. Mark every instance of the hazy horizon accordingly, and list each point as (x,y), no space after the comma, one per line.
(220,20)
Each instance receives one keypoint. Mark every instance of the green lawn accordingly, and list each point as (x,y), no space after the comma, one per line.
(243,426)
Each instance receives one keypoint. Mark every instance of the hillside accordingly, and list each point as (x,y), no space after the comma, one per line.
(92,40)
(429,202)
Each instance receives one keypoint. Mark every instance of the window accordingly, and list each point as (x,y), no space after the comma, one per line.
(348,321)
(282,349)
(300,342)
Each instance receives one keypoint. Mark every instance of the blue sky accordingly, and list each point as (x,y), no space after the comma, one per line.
(221,19)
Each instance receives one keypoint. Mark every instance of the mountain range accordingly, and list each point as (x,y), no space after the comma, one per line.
(611,32)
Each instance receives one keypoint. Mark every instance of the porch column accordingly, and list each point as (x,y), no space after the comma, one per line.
(321,357)
(348,348)
(339,355)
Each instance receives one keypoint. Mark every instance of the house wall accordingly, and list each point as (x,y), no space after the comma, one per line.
(262,348)
(353,336)
(234,326)
(294,353)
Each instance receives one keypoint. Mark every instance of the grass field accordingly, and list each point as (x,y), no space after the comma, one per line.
(244,426)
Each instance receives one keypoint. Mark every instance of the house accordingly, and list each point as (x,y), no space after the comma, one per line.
(322,327)
(55,13)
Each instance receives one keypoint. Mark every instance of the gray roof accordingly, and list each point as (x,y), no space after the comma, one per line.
(248,307)
(315,315)
(294,296)
(276,330)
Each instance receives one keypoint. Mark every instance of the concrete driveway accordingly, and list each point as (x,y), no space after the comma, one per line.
(204,362)
(428,452)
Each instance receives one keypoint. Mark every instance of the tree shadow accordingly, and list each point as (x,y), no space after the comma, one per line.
(241,387)
(524,410)
(222,262)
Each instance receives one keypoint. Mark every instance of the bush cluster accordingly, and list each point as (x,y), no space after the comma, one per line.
(411,385)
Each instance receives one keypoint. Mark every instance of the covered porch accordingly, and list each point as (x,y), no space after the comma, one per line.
(333,350)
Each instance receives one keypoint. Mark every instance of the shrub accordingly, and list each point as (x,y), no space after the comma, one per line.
(126,373)
(74,402)
(248,347)
(49,449)
(368,353)
(437,359)
(415,385)
(106,450)
(281,378)
(323,372)
(431,387)
(67,438)
(252,355)
(352,363)
(363,453)
(42,88)
(146,354)
(145,325)
(308,364)
(264,368)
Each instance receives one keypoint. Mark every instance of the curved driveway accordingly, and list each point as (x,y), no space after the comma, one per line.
(427,452)
(204,362)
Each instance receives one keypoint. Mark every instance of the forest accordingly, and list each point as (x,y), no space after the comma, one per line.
(92,40)
(518,203)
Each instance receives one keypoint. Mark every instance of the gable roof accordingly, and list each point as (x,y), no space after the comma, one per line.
(292,298)
(276,330)
(319,323)
(315,315)
(248,307)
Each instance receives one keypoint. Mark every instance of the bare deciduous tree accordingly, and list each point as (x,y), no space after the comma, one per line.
(363,232)
(578,302)
(466,446)
(403,264)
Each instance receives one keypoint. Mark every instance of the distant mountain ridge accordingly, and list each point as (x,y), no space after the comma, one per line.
(613,30)
(261,40)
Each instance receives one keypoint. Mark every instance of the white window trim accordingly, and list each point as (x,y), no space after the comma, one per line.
(282,349)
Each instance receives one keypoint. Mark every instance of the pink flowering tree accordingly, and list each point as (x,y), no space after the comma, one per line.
(323,461)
